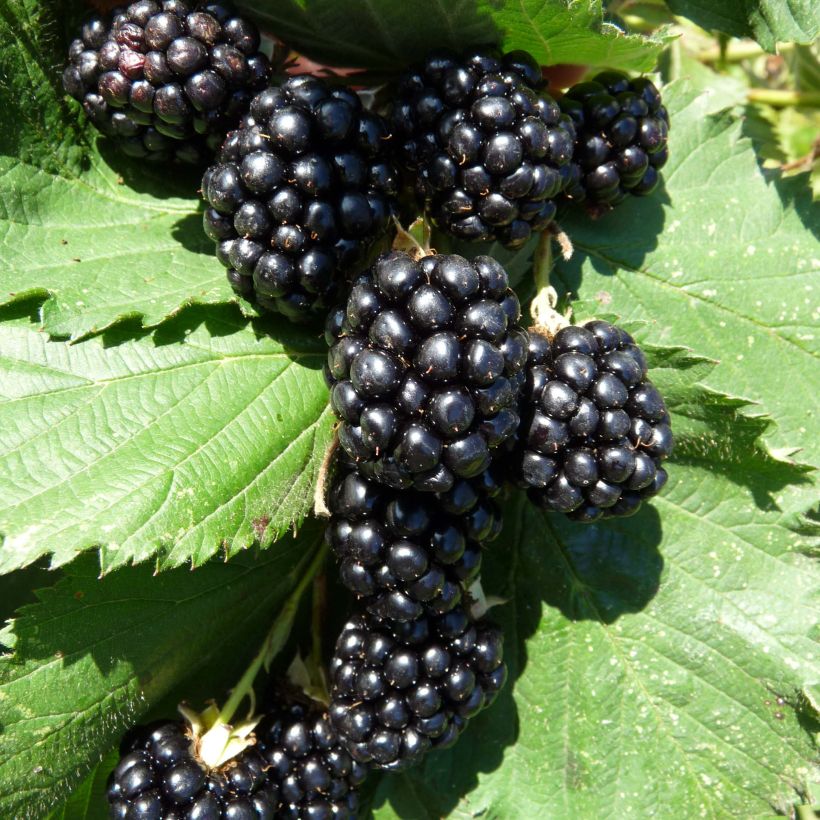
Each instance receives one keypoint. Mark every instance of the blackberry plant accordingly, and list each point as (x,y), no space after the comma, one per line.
(489,150)
(167,80)
(425,369)
(299,194)
(594,429)
(621,129)
(401,689)
(168,446)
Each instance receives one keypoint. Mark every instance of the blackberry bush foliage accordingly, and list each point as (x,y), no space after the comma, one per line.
(298,195)
(425,369)
(488,150)
(407,553)
(622,131)
(191,508)
(594,429)
(401,689)
(167,80)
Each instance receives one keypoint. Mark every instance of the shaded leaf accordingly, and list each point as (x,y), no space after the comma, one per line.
(94,655)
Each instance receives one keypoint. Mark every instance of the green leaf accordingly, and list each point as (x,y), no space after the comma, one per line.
(88,801)
(768,21)
(94,655)
(659,663)
(391,34)
(205,434)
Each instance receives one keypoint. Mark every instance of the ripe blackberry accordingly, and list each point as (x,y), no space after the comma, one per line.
(315,777)
(299,193)
(159,777)
(487,147)
(399,690)
(425,369)
(594,429)
(167,80)
(621,138)
(401,551)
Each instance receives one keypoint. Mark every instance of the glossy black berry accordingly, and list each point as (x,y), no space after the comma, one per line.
(488,150)
(594,430)
(167,81)
(621,138)
(403,552)
(426,368)
(158,776)
(303,758)
(434,673)
(299,178)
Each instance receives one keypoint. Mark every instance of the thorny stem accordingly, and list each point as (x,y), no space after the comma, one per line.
(544,315)
(274,641)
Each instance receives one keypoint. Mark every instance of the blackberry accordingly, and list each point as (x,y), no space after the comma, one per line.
(621,138)
(315,777)
(407,553)
(299,193)
(166,80)
(594,429)
(399,690)
(426,368)
(159,776)
(489,150)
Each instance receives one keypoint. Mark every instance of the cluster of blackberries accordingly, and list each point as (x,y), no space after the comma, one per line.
(426,366)
(299,193)
(621,138)
(594,430)
(441,394)
(166,79)
(296,769)
(401,689)
(489,151)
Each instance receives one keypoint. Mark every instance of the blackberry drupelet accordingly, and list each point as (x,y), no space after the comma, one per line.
(167,80)
(159,778)
(425,369)
(489,150)
(621,138)
(594,429)
(315,777)
(406,553)
(399,690)
(299,194)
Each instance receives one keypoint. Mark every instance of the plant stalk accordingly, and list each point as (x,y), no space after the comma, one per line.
(274,641)
(783,98)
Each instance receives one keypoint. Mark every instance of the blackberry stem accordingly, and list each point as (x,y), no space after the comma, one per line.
(405,241)
(544,315)
(783,98)
(274,641)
